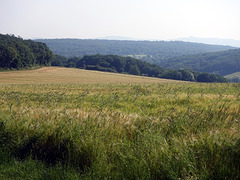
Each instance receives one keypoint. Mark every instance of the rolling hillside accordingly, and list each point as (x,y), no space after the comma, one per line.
(222,63)
(59,123)
(128,65)
(70,75)
(150,51)
(222,60)
(12,56)
(235,77)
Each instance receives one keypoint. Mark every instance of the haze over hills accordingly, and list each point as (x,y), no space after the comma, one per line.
(118,38)
(214,41)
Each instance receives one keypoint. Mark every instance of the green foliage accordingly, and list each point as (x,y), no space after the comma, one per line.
(113,63)
(59,60)
(18,53)
(151,51)
(171,55)
(120,131)
(134,70)
(222,63)
(118,64)
(6,57)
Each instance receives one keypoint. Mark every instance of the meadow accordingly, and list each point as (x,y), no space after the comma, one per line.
(58,123)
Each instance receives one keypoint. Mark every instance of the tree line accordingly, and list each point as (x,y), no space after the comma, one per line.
(18,53)
(129,65)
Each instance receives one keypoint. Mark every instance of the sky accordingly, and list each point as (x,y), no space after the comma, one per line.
(138,19)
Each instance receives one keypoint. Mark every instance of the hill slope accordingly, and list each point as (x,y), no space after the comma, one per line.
(151,51)
(119,131)
(71,75)
(235,77)
(222,63)
(128,65)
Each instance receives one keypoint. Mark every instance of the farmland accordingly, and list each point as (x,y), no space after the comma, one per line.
(58,123)
(69,75)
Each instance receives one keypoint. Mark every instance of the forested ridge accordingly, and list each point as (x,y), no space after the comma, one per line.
(222,63)
(129,65)
(150,51)
(18,53)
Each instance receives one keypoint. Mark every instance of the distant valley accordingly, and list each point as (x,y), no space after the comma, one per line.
(171,60)
(217,59)
(16,53)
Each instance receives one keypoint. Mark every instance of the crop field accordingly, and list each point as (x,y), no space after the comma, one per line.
(70,75)
(58,123)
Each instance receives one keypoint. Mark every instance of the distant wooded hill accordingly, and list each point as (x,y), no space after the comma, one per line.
(222,63)
(222,60)
(18,53)
(150,51)
(129,65)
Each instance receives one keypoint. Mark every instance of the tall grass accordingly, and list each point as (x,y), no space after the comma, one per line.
(120,131)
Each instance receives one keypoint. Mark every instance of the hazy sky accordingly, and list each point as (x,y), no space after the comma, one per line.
(141,19)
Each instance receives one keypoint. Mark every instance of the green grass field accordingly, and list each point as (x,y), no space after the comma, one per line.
(115,126)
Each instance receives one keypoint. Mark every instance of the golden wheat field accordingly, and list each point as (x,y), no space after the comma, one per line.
(71,75)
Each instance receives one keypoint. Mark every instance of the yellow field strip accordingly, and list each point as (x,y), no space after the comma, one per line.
(71,75)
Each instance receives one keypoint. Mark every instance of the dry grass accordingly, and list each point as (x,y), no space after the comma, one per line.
(71,75)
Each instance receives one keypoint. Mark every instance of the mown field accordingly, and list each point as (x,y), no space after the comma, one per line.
(78,124)
(58,75)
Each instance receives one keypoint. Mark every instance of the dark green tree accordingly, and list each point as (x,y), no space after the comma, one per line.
(187,75)
(6,57)
(18,53)
(134,69)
